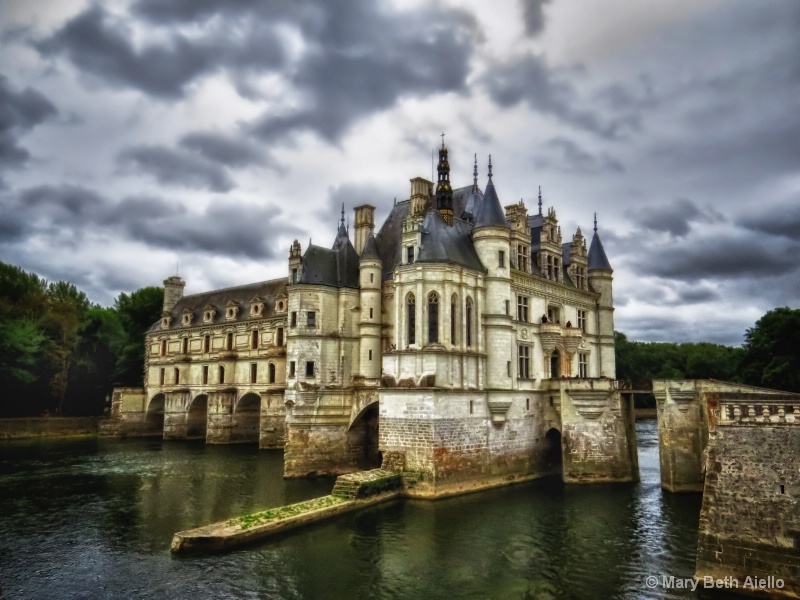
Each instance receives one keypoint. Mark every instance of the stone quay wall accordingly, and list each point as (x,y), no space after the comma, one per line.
(35,427)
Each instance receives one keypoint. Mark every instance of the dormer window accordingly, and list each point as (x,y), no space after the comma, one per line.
(281,303)
(231,310)
(166,321)
(232,313)
(256,307)
(187,317)
(209,312)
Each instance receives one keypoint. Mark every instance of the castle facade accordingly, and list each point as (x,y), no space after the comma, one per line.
(464,341)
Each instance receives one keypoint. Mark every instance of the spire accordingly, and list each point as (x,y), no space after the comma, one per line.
(475,175)
(540,200)
(597,258)
(491,212)
(342,227)
(490,167)
(595,222)
(444,193)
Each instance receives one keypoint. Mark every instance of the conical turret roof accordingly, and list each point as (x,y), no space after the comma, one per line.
(491,213)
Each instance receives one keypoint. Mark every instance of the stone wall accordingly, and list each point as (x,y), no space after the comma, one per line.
(750,519)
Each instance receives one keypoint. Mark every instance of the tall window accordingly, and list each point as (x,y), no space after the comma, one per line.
(554,314)
(185,346)
(207,343)
(501,258)
(433,318)
(294,276)
(163,347)
(221,372)
(411,325)
(177,376)
(205,374)
(311,318)
(161,377)
(229,341)
(409,254)
(453,317)
(524,358)
(522,257)
(522,309)
(293,319)
(469,321)
(253,372)
(292,368)
(254,339)
(583,364)
(582,320)
(271,372)
(280,336)
(309,368)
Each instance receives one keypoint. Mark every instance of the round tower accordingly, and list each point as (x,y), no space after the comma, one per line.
(492,239)
(370,266)
(601,281)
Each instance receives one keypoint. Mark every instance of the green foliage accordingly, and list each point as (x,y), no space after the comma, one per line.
(61,354)
(137,313)
(772,351)
(638,363)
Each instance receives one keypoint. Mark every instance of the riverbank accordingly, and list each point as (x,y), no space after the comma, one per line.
(38,427)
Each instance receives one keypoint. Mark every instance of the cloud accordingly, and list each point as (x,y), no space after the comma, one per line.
(563,154)
(101,44)
(533,16)
(783,221)
(228,150)
(674,218)
(175,167)
(20,111)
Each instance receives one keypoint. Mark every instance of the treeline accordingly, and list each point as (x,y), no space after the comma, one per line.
(769,357)
(60,353)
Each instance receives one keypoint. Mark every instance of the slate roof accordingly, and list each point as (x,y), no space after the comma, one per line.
(370,250)
(243,294)
(597,255)
(336,267)
(491,213)
(466,201)
(389,239)
(450,244)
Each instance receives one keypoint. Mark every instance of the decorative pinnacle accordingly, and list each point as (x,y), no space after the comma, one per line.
(341,222)
(490,166)
(595,222)
(475,174)
(442,139)
(540,200)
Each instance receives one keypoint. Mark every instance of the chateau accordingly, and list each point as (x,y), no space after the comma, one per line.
(464,341)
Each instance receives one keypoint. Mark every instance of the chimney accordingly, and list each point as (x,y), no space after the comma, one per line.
(365,225)
(173,291)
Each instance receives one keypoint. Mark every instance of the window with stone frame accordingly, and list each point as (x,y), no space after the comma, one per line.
(228,341)
(501,258)
(205,374)
(524,361)
(221,374)
(185,345)
(293,319)
(271,372)
(311,318)
(177,373)
(409,254)
(453,319)
(522,257)
(583,364)
(522,308)
(411,320)
(309,368)
(254,339)
(253,372)
(161,376)
(582,320)
(554,313)
(433,318)
(206,343)
(468,318)
(279,335)
(292,368)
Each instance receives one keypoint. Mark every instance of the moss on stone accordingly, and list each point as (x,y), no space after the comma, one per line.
(283,512)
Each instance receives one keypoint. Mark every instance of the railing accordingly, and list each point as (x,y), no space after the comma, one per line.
(780,411)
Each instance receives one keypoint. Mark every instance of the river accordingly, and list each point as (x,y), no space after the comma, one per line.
(93,518)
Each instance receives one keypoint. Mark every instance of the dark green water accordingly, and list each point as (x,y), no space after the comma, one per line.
(94,519)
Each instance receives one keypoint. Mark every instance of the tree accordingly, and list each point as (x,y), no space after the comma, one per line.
(772,351)
(137,313)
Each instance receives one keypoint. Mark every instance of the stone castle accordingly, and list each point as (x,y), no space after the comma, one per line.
(462,341)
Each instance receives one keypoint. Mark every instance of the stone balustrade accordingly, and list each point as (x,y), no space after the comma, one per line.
(775,410)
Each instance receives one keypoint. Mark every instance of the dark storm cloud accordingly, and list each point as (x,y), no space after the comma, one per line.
(674,217)
(716,329)
(228,150)
(717,258)
(175,167)
(533,15)
(565,155)
(780,221)
(233,229)
(96,42)
(379,195)
(362,59)
(20,111)
(529,80)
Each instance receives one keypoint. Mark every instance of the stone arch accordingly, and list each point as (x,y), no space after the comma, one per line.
(362,438)
(154,417)
(197,418)
(552,459)
(246,419)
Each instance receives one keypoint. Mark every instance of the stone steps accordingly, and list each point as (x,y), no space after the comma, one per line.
(366,483)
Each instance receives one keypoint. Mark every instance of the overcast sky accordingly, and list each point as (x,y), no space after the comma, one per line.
(141,136)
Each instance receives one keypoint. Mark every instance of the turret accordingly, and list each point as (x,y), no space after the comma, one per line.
(295,263)
(601,280)
(173,291)
(491,237)
(444,192)
(370,283)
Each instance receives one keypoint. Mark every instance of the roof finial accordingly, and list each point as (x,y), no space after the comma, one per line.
(540,200)
(490,166)
(595,222)
(475,175)
(341,222)
(442,139)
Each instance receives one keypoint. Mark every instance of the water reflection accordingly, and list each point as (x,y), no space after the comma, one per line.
(94,518)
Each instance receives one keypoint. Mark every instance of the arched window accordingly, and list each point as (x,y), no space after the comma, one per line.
(453,317)
(271,372)
(412,319)
(433,318)
(468,316)
(221,374)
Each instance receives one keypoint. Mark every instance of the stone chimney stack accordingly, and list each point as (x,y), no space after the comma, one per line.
(365,225)
(173,291)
